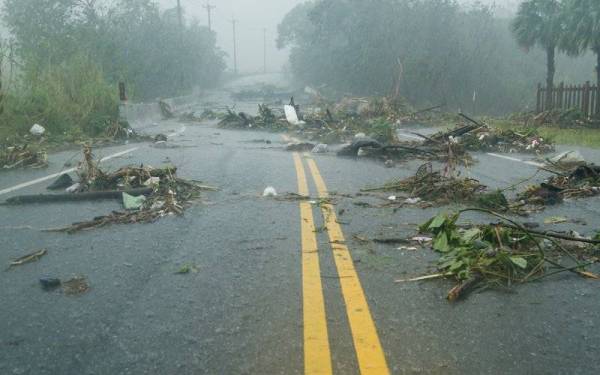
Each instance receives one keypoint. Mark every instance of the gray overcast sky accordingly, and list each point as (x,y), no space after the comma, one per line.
(252,16)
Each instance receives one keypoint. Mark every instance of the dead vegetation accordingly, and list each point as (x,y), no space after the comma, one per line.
(167,194)
(23,156)
(435,187)
(582,181)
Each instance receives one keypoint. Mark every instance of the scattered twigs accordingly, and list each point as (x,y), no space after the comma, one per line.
(29,258)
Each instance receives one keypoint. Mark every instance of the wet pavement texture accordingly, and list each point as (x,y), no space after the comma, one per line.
(241,312)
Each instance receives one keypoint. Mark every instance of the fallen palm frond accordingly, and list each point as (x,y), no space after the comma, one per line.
(503,253)
(23,157)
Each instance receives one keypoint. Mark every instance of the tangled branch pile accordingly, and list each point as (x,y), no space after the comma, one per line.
(488,139)
(502,253)
(23,157)
(167,194)
(433,186)
(266,120)
(583,181)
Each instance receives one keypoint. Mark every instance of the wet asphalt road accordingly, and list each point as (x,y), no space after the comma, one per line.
(241,312)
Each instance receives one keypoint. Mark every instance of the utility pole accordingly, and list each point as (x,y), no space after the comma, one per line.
(265,49)
(180,19)
(235,67)
(179,16)
(209,8)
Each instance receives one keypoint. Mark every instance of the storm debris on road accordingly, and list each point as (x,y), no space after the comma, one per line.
(265,120)
(503,253)
(167,194)
(526,140)
(434,187)
(29,258)
(582,181)
(76,285)
(23,156)
(187,268)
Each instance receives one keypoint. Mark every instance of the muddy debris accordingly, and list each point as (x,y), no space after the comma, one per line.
(75,286)
(23,156)
(581,182)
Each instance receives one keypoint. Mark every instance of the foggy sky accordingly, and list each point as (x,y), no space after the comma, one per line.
(253,16)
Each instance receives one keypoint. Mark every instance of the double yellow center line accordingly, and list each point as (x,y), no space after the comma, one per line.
(317,353)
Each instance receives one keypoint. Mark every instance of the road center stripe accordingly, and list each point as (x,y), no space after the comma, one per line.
(317,354)
(369,352)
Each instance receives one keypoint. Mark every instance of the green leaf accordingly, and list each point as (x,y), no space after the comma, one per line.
(438,221)
(471,234)
(456,265)
(519,261)
(441,243)
(555,220)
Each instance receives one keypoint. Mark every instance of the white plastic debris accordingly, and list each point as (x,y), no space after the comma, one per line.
(412,200)
(270,192)
(37,129)
(152,181)
(321,148)
(360,135)
(422,239)
(291,116)
(568,159)
(361,152)
(392,198)
(73,188)
(408,248)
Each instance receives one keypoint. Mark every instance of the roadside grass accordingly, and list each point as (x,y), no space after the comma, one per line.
(586,137)
(72,101)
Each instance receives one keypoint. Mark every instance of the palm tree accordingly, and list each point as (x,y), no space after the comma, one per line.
(540,23)
(583,32)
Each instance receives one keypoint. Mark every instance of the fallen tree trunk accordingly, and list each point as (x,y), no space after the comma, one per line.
(75,197)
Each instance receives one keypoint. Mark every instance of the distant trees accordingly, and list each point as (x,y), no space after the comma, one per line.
(71,54)
(429,51)
(432,51)
(128,39)
(541,23)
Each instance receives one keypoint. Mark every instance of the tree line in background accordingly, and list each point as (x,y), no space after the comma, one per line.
(434,51)
(70,54)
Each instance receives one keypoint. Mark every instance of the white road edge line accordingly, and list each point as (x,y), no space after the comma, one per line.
(532,163)
(54,175)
